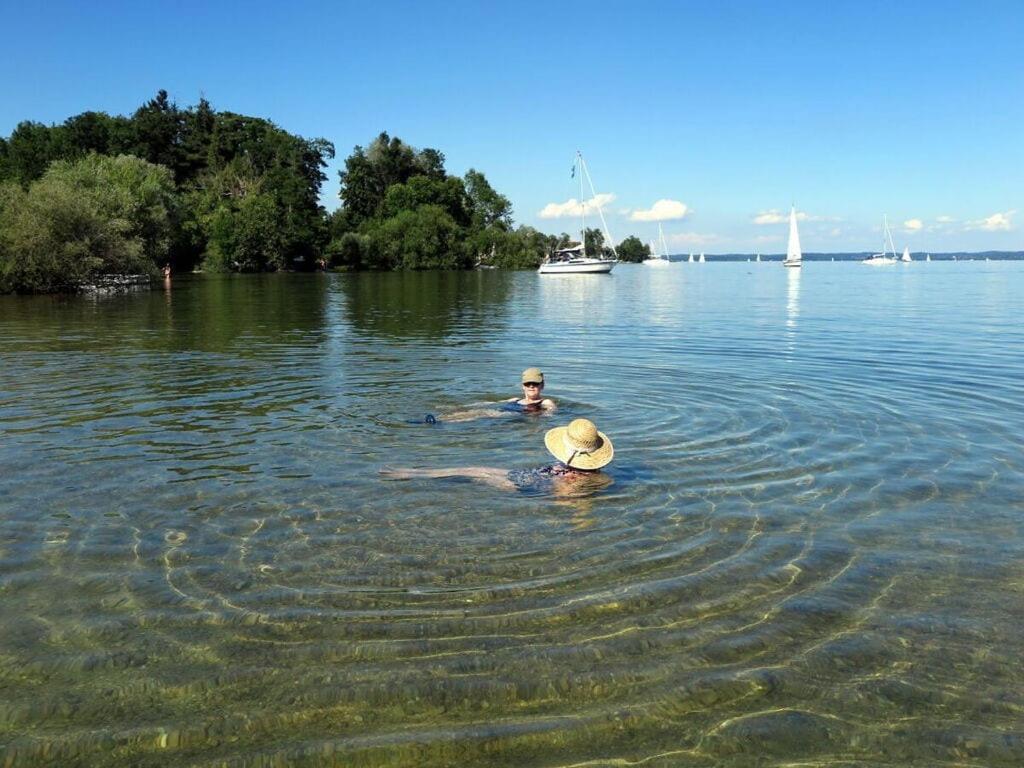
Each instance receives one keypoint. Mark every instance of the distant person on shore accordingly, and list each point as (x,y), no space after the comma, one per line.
(581,451)
(167,271)
(532,401)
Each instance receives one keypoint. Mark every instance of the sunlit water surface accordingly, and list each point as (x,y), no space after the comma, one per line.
(812,552)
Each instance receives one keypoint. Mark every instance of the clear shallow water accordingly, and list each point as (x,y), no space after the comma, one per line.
(812,552)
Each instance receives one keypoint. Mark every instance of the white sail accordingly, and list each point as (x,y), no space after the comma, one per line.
(702,257)
(928,257)
(656,259)
(690,259)
(906,254)
(794,256)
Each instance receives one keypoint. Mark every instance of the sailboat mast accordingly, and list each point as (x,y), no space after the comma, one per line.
(604,223)
(583,206)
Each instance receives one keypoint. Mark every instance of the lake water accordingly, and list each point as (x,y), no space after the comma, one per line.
(812,551)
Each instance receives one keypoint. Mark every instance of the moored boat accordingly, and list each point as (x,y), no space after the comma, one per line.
(883,259)
(564,261)
(573,258)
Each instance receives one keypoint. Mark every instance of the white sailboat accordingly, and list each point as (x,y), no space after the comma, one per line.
(690,260)
(883,259)
(573,259)
(794,256)
(928,257)
(758,259)
(656,259)
(905,258)
(701,257)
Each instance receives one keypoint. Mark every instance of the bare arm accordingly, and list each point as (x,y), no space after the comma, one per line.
(484,413)
(493,476)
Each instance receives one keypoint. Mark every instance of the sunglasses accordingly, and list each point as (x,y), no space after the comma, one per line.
(533,384)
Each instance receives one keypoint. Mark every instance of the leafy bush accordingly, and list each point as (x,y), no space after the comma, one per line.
(94,216)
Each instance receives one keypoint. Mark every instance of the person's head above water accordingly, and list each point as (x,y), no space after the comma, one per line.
(579,445)
(533,385)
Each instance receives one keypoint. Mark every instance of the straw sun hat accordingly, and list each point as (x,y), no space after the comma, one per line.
(579,445)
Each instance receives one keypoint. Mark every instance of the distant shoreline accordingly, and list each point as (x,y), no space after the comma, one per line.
(916,255)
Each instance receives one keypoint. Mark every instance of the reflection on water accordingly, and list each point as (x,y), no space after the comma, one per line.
(425,304)
(810,554)
(792,296)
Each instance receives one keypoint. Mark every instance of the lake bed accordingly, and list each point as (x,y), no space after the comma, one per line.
(811,550)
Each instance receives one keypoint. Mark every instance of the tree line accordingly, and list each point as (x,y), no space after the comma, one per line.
(197,188)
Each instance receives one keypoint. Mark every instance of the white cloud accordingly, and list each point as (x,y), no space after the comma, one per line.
(768,239)
(770,217)
(691,238)
(944,219)
(573,207)
(913,225)
(995,223)
(777,217)
(663,210)
(836,232)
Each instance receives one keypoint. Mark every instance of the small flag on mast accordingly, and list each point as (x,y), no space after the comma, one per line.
(572,172)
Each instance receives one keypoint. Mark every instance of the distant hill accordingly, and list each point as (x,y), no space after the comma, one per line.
(916,255)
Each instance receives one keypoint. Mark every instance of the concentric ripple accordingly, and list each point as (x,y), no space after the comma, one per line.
(810,552)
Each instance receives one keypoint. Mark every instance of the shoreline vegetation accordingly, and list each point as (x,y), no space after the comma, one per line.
(202,190)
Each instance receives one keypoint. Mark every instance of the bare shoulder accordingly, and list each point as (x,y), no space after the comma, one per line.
(548,404)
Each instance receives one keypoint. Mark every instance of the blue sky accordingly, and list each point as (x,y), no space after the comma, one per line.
(851,110)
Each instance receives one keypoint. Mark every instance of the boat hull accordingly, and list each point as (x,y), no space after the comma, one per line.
(792,263)
(588,266)
(879,261)
(656,262)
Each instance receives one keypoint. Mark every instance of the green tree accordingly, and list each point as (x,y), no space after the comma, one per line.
(448,193)
(157,127)
(594,245)
(30,150)
(387,161)
(522,248)
(97,215)
(631,249)
(245,236)
(489,208)
(427,238)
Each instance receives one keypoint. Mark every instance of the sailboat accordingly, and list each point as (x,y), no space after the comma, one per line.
(905,258)
(928,257)
(656,259)
(573,258)
(758,259)
(883,259)
(701,257)
(794,257)
(690,260)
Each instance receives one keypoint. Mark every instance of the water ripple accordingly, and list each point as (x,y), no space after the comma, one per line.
(810,553)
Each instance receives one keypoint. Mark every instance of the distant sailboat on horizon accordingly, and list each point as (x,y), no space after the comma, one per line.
(928,257)
(658,259)
(701,257)
(883,259)
(690,260)
(905,258)
(794,256)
